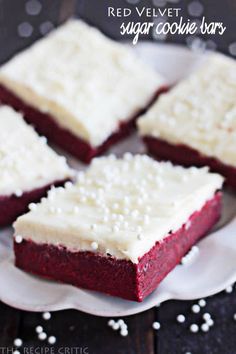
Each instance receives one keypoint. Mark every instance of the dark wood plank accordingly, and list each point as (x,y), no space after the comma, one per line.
(175,338)
(76,329)
(9,324)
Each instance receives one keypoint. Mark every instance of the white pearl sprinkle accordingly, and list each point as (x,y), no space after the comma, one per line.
(202,302)
(83,199)
(120,217)
(124,326)
(124,332)
(32,206)
(111,323)
(184,260)
(93,196)
(60,190)
(42,336)
(128,156)
(105,218)
(206,316)
(194,328)
(39,329)
(115,326)
(112,157)
(205,327)
(18,193)
(16,352)
(18,342)
(121,322)
(156,325)
(180,318)
(195,249)
(43,139)
(234,317)
(18,239)
(52,340)
(134,214)
(115,228)
(210,322)
(126,200)
(46,316)
(115,206)
(196,308)
(187,225)
(94,245)
(106,210)
(229,289)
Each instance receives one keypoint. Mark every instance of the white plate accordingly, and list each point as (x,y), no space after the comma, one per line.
(211,271)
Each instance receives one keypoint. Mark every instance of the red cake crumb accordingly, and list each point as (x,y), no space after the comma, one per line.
(46,125)
(118,277)
(12,206)
(184,155)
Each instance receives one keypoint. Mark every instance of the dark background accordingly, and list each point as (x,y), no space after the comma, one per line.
(24,21)
(21,23)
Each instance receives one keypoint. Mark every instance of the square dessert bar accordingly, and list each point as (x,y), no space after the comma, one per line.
(28,167)
(121,228)
(79,88)
(195,123)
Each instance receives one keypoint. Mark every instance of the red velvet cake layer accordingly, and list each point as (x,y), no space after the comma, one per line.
(186,156)
(12,206)
(46,125)
(113,276)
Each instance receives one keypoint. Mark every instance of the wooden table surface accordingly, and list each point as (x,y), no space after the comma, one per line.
(77,332)
(74,329)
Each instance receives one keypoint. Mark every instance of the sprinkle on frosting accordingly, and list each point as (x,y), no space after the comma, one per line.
(18,239)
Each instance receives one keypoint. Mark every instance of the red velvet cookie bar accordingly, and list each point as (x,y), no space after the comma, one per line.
(194,123)
(28,167)
(117,277)
(47,126)
(85,97)
(121,228)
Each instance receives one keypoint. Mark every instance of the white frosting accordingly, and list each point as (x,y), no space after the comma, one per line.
(119,206)
(26,162)
(199,112)
(87,82)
